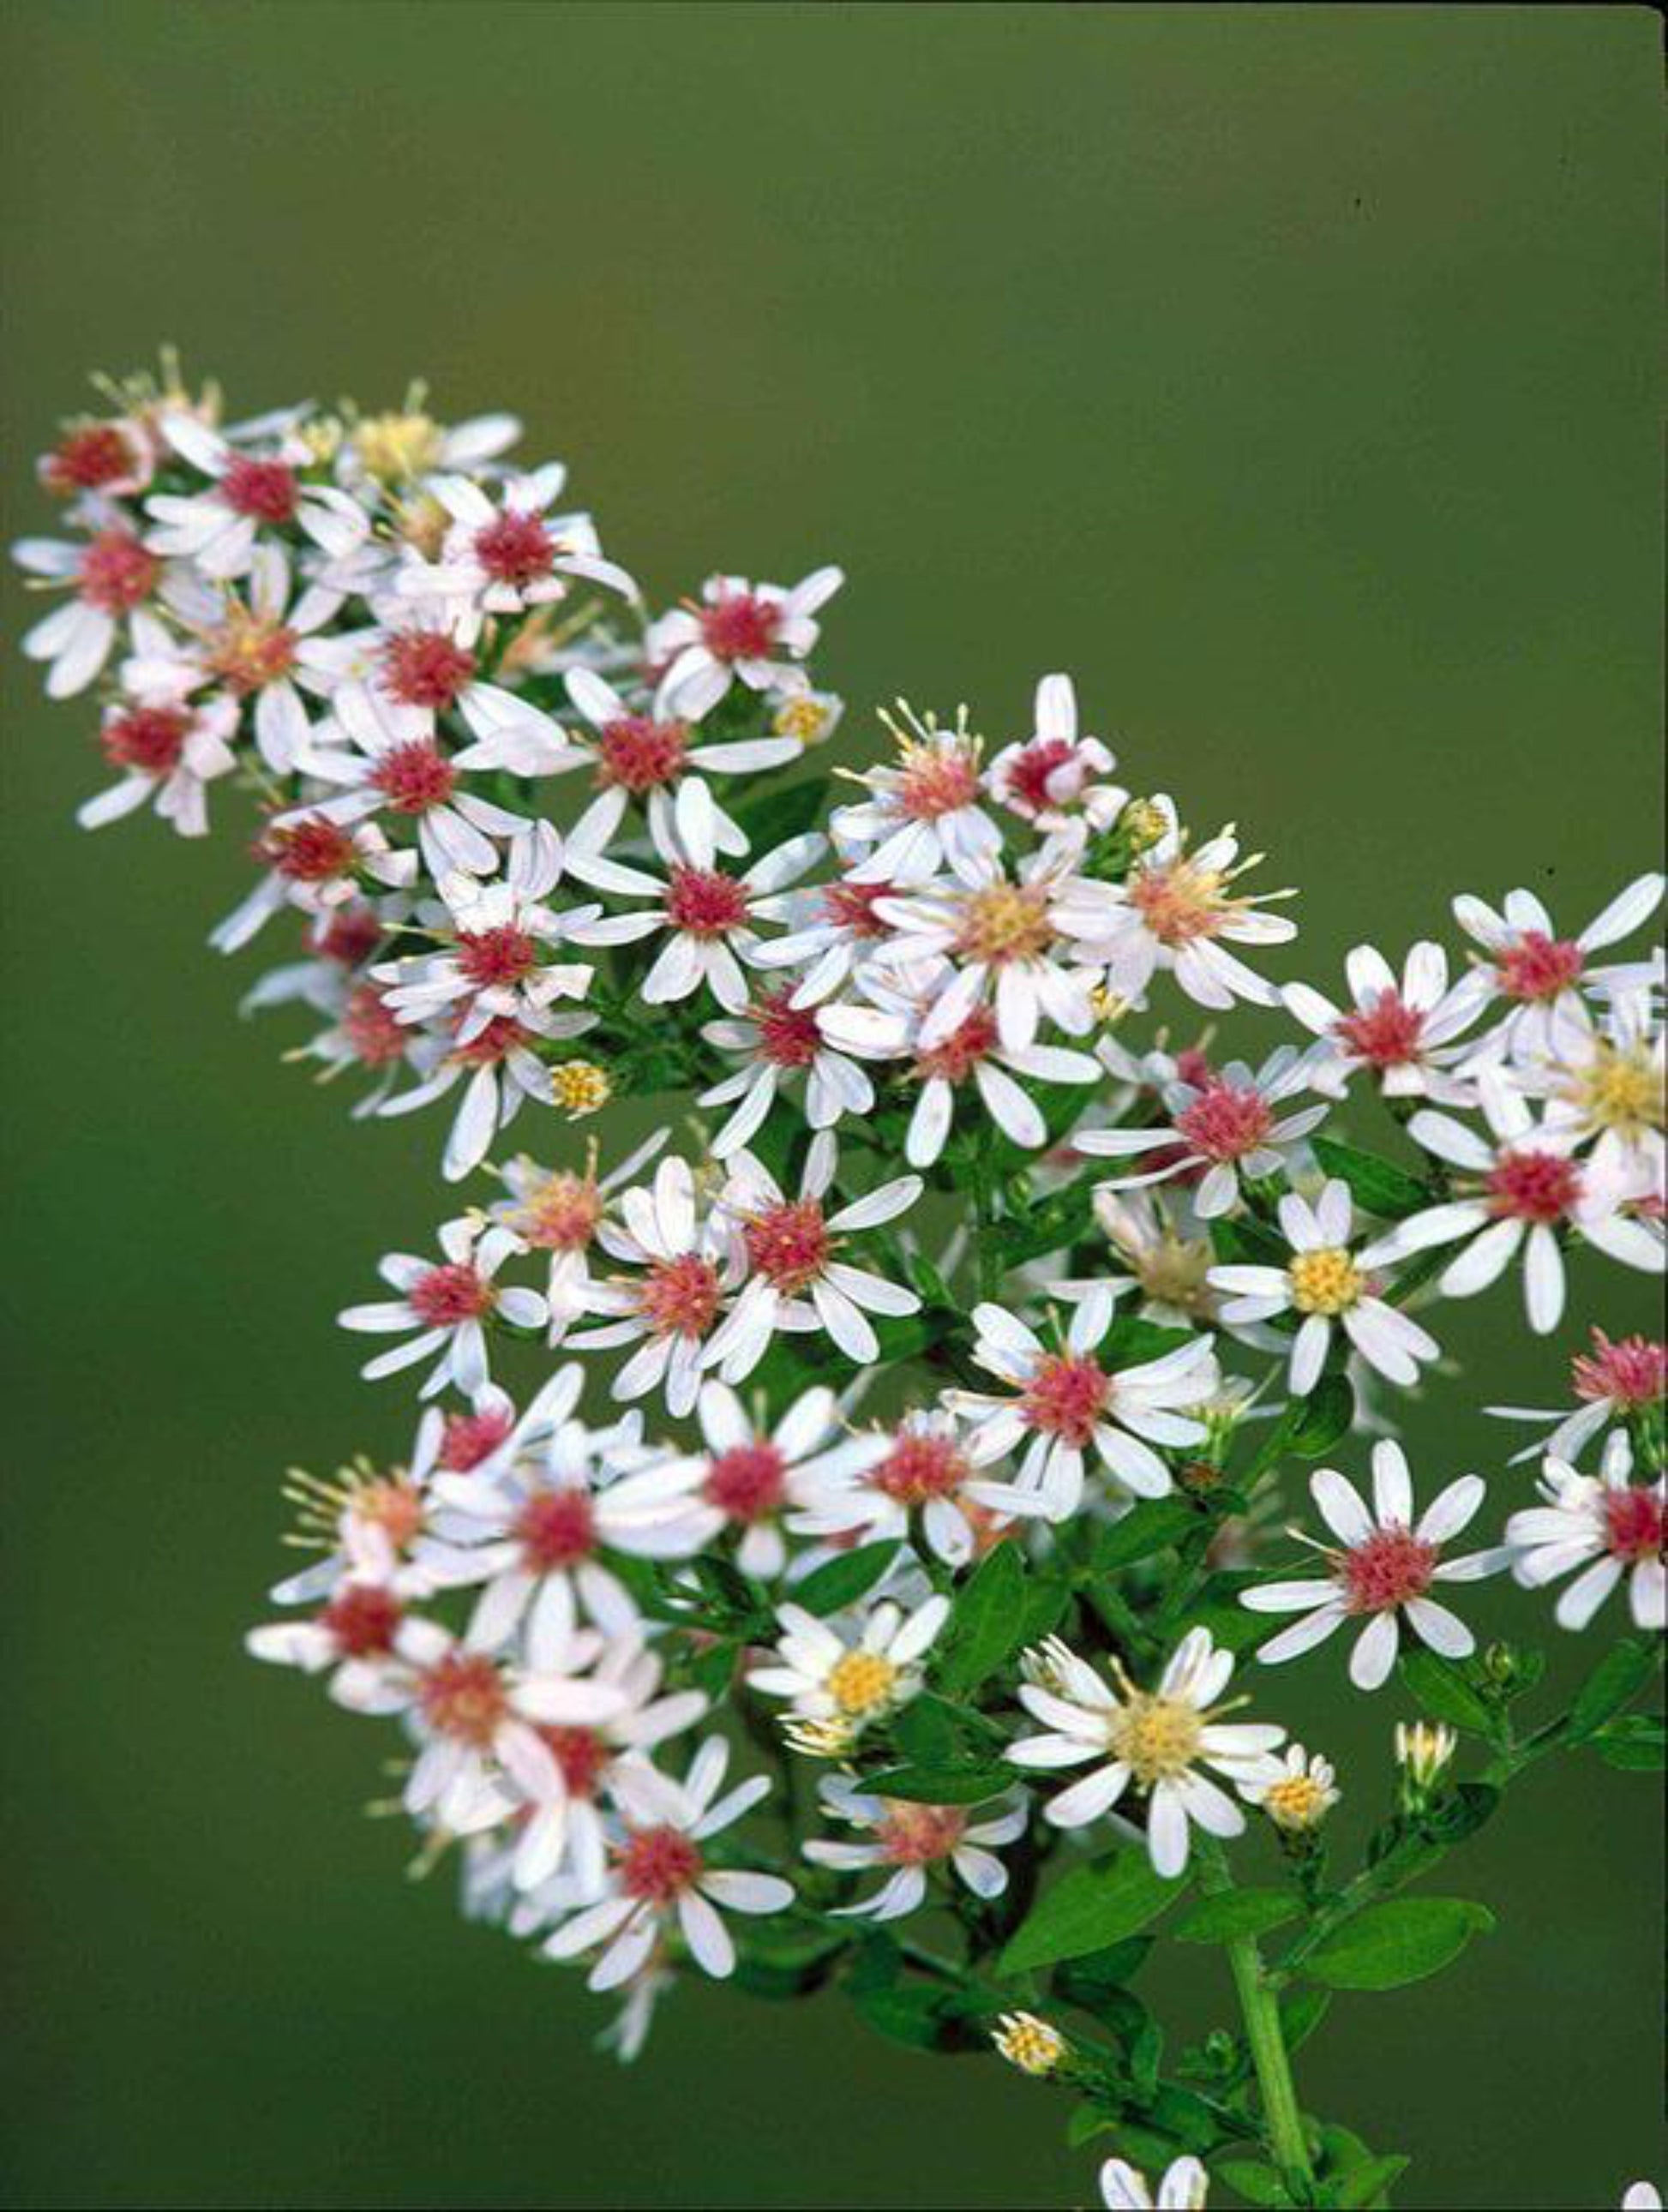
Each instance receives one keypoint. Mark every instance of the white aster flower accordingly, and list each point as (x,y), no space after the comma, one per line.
(448,1303)
(1517,1186)
(1065,1402)
(796,1278)
(853,1679)
(1302,1797)
(1607,1084)
(504,554)
(926,815)
(919,1466)
(1540,975)
(1608,1525)
(1182,2187)
(111,575)
(1221,1128)
(1057,777)
(559,1211)
(1157,1741)
(1381,1569)
(709,915)
(660,1878)
(168,752)
(833,931)
(780,1040)
(1615,1378)
(909,1839)
(688,1259)
(1328,1285)
(758,634)
(1180,912)
(219,528)
(1403,1032)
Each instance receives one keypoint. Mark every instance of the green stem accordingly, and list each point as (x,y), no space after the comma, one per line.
(1264,2035)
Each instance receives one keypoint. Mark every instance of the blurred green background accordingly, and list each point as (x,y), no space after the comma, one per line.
(1288,374)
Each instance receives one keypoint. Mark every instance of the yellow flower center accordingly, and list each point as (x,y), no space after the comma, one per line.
(802,716)
(1324,1282)
(579,1087)
(395,447)
(861,1682)
(1156,1737)
(1030,2043)
(1620,1089)
(1009,921)
(1142,822)
(1300,1802)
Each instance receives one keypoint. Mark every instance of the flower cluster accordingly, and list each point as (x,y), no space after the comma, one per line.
(912,1411)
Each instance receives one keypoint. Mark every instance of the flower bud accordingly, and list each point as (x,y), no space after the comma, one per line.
(1030,2043)
(579,1087)
(1423,1752)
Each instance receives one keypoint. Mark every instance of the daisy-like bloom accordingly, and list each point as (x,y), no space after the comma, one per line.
(749,1475)
(1013,942)
(567,1781)
(908,1838)
(1641,2196)
(406,447)
(755,634)
(709,915)
(559,1211)
(1182,2187)
(689,1258)
(1540,975)
(1158,1256)
(111,575)
(497,1062)
(660,1878)
(506,555)
(796,1281)
(1517,1187)
(115,457)
(219,528)
(780,1040)
(448,1303)
(1036,2046)
(262,647)
(1057,777)
(1617,1377)
(1401,1032)
(919,1465)
(849,1682)
(1065,1401)
(1381,1569)
(1607,1086)
(639,755)
(1180,912)
(1224,1128)
(833,933)
(1608,1525)
(359,1622)
(167,753)
(1328,1286)
(928,813)
(1304,1794)
(475,1719)
(1156,1741)
(312,864)
(364,1522)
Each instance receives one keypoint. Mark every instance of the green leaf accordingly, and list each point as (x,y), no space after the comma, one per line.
(1090,1981)
(792,1971)
(1257,2183)
(927,1733)
(1301,2012)
(1463,1813)
(1087,2122)
(1323,1417)
(922,2014)
(1153,1526)
(1634,1742)
(1235,1913)
(1246,1243)
(1378,1185)
(1617,1678)
(1091,1906)
(1389,1945)
(770,816)
(842,1581)
(1365,2184)
(1443,1692)
(941,1785)
(1131,1342)
(986,1622)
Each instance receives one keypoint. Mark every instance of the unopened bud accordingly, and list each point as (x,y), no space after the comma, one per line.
(1424,1754)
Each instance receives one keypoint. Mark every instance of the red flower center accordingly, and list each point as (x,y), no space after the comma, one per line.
(351,935)
(917,1835)
(637,753)
(515,548)
(468,1438)
(449,1295)
(748,1483)
(1384,1032)
(680,1297)
(363,1619)
(789,1244)
(248,652)
(850,907)
(375,1035)
(149,738)
(1225,1122)
(116,572)
(422,668)
(740,626)
(556,1528)
(1531,1186)
(1633,1523)
(581,1753)
(658,1864)
(502,1035)
(1389,1568)
(561,1213)
(265,492)
(463,1696)
(488,958)
(1066,1396)
(99,455)
(310,851)
(1025,777)
(788,1035)
(414,777)
(956,1056)
(392,1503)
(921,1465)
(937,780)
(1628,1371)
(1538,966)
(704,902)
